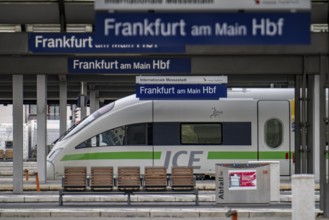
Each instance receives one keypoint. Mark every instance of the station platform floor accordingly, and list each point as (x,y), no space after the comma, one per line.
(45,204)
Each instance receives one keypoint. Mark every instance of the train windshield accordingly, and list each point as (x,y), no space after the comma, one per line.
(86,121)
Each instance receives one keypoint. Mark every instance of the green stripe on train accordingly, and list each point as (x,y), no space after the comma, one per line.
(138,155)
(247,155)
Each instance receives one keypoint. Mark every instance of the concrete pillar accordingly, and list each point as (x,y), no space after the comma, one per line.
(42,126)
(94,103)
(83,104)
(303,199)
(62,107)
(18,133)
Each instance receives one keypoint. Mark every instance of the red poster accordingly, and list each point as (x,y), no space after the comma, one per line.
(242,179)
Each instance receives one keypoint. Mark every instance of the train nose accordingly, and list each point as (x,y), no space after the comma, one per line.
(50,170)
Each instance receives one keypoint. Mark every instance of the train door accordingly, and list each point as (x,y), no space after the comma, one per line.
(274,133)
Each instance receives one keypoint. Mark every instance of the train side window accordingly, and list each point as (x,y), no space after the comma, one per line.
(136,134)
(273,130)
(201,133)
(114,137)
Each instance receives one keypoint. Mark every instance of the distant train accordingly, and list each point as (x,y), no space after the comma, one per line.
(249,125)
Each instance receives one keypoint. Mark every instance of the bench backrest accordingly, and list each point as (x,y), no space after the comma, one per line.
(182,178)
(128,178)
(101,177)
(9,154)
(2,156)
(75,178)
(155,178)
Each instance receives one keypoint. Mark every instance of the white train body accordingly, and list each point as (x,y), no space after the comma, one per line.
(131,132)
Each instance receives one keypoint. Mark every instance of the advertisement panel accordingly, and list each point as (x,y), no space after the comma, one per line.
(242,179)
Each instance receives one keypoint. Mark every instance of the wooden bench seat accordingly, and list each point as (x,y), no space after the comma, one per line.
(182,178)
(129,178)
(9,154)
(155,178)
(75,178)
(2,155)
(101,178)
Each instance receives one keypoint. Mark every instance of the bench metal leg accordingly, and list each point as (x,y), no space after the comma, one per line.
(60,198)
(129,198)
(196,197)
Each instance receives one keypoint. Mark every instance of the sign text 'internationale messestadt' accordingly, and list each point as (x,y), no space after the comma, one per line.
(220,5)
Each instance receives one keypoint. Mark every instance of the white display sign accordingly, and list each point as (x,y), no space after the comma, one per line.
(181,79)
(202,5)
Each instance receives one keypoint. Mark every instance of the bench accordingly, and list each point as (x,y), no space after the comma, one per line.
(74,180)
(2,156)
(129,182)
(101,182)
(156,182)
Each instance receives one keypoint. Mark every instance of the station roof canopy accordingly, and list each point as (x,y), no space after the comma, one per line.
(246,66)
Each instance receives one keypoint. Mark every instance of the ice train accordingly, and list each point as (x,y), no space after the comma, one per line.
(249,125)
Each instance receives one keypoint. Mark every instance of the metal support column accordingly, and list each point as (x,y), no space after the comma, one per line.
(316,129)
(310,125)
(62,16)
(324,186)
(62,106)
(297,125)
(18,133)
(42,126)
(303,148)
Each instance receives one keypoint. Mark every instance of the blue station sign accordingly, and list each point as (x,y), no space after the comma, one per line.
(129,65)
(180,88)
(175,29)
(88,43)
(171,32)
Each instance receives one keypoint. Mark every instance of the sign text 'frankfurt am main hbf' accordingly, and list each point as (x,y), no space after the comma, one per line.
(171,32)
(181,87)
(173,29)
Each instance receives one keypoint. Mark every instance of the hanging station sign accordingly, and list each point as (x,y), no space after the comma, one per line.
(181,87)
(165,30)
(202,5)
(131,65)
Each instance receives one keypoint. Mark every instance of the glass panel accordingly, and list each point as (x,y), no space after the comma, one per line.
(91,118)
(201,134)
(273,133)
(136,134)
